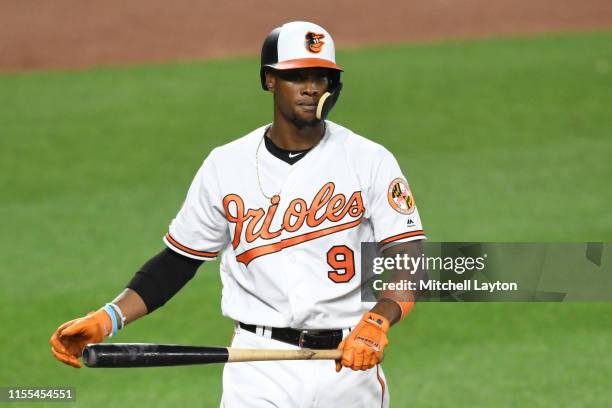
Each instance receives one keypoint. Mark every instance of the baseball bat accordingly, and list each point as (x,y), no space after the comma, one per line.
(116,355)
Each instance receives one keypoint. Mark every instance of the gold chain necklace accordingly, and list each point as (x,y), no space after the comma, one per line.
(257,159)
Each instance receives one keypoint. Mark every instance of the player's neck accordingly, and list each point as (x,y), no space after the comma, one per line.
(290,137)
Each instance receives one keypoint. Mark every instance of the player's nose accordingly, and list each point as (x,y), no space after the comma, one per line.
(312,85)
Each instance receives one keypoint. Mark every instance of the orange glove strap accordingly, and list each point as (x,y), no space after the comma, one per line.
(375,318)
(104,320)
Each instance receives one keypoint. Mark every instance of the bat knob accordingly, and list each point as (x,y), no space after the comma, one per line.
(89,356)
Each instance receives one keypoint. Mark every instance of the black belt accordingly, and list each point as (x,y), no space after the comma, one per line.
(313,339)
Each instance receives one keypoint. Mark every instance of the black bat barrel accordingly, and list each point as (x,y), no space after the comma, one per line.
(115,355)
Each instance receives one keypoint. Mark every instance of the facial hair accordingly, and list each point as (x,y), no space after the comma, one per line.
(290,116)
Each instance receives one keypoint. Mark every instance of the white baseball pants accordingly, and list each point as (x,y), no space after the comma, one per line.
(297,384)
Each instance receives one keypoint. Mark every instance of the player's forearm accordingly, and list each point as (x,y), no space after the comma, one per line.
(131,304)
(161,277)
(396,304)
(155,283)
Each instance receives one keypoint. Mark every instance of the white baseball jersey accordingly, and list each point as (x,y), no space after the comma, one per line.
(293,260)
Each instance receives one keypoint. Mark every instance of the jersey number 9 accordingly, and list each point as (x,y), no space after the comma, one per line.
(341,258)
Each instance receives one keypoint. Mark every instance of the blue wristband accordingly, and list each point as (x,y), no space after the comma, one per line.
(109,309)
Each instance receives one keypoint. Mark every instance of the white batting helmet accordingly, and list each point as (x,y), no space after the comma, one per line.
(300,44)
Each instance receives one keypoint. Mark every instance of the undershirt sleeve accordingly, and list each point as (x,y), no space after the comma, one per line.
(162,276)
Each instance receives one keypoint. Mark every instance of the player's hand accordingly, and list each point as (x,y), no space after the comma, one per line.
(68,341)
(364,346)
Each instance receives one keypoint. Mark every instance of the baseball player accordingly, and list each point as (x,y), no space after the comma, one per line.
(286,207)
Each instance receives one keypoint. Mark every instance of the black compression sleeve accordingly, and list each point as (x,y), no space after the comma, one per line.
(162,277)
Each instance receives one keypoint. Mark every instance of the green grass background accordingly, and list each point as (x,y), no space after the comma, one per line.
(502,140)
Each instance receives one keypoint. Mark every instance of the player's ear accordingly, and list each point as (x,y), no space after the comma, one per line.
(270,80)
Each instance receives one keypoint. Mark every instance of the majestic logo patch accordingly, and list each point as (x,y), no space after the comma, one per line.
(314,42)
(400,197)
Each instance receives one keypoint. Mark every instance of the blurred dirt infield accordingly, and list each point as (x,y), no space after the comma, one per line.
(81,33)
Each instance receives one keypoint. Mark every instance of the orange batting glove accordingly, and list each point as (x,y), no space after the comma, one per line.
(364,347)
(68,341)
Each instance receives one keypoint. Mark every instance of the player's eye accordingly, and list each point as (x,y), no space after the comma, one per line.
(291,76)
(319,77)
(301,76)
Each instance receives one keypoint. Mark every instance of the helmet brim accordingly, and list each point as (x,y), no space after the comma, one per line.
(305,63)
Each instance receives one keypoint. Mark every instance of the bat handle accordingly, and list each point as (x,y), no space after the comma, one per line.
(237,354)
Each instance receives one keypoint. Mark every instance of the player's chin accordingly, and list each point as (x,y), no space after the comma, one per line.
(306,118)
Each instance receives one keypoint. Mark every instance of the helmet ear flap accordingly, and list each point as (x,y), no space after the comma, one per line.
(334,80)
(328,100)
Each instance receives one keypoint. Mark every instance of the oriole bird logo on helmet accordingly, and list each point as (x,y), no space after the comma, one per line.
(314,42)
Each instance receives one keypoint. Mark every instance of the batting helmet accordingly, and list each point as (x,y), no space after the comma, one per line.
(300,44)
